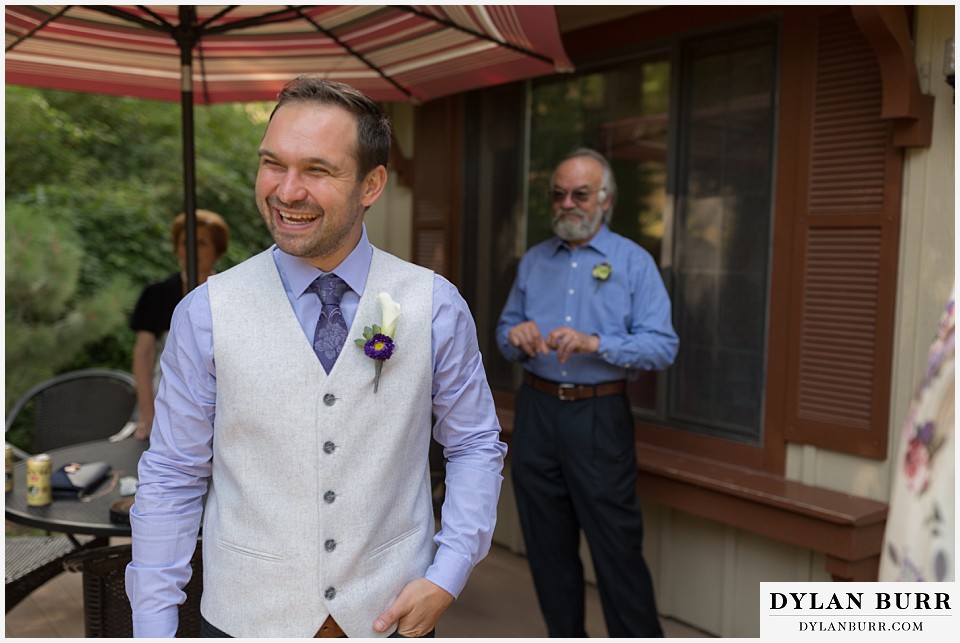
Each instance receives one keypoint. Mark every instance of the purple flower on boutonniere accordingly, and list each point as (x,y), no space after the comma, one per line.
(379,347)
(377,343)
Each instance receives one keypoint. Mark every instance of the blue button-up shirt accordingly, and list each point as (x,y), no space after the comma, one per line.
(629,310)
(173,473)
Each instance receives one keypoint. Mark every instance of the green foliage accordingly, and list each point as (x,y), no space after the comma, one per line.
(599,110)
(106,172)
(368,333)
(47,324)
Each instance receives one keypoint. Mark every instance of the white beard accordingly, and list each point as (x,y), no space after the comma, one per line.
(579,229)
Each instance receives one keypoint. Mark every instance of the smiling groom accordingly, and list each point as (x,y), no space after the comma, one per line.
(313,446)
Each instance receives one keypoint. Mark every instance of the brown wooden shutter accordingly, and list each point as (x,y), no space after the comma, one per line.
(844,262)
(436,189)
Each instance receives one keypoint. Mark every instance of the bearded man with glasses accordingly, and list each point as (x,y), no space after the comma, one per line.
(587,311)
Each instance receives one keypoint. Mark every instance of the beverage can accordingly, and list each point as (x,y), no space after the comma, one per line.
(9,459)
(39,472)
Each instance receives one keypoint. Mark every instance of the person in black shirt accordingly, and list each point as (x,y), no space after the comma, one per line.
(151,316)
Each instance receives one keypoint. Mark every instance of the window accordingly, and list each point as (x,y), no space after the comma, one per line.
(722,234)
(689,131)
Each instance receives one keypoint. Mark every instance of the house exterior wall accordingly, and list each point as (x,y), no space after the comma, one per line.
(927,246)
(708,574)
(925,270)
(390,220)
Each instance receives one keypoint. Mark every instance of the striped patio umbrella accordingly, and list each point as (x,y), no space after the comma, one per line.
(211,54)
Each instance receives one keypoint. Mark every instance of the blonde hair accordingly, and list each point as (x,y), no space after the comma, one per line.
(219,231)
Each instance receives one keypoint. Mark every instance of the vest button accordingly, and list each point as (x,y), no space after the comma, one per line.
(329,497)
(329,447)
(329,399)
(329,593)
(330,544)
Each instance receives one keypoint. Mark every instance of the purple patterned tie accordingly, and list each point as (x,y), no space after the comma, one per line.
(331,330)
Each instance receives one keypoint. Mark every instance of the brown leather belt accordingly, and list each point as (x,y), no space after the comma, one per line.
(574,392)
(329,630)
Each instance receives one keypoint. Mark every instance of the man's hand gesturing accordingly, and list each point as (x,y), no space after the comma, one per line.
(526,337)
(567,341)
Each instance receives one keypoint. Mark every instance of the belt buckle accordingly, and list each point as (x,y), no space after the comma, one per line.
(561,388)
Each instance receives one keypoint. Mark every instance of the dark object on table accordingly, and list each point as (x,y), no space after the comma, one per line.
(120,511)
(106,608)
(75,479)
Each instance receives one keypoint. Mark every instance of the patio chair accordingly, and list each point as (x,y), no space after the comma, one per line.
(33,560)
(106,609)
(78,406)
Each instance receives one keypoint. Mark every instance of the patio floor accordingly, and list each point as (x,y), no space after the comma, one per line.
(499,601)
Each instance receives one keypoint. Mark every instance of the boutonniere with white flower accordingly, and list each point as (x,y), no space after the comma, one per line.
(601,272)
(377,342)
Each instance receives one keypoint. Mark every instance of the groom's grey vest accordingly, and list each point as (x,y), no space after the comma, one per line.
(320,497)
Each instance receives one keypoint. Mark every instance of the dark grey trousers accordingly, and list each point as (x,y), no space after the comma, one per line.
(574,467)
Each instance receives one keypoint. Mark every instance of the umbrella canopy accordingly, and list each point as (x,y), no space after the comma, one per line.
(210,54)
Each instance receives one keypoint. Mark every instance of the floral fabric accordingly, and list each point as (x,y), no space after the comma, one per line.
(919,538)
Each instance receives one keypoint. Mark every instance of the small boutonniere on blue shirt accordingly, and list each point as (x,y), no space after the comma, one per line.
(377,342)
(601,272)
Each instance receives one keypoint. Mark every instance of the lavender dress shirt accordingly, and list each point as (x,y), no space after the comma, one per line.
(173,473)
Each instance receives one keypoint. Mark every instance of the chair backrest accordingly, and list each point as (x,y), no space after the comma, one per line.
(106,608)
(78,406)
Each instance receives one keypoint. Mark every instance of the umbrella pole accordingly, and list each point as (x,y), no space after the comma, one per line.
(186,38)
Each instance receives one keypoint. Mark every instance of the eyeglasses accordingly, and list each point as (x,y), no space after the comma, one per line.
(580,195)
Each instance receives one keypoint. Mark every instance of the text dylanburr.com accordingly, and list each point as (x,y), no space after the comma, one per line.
(853,610)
